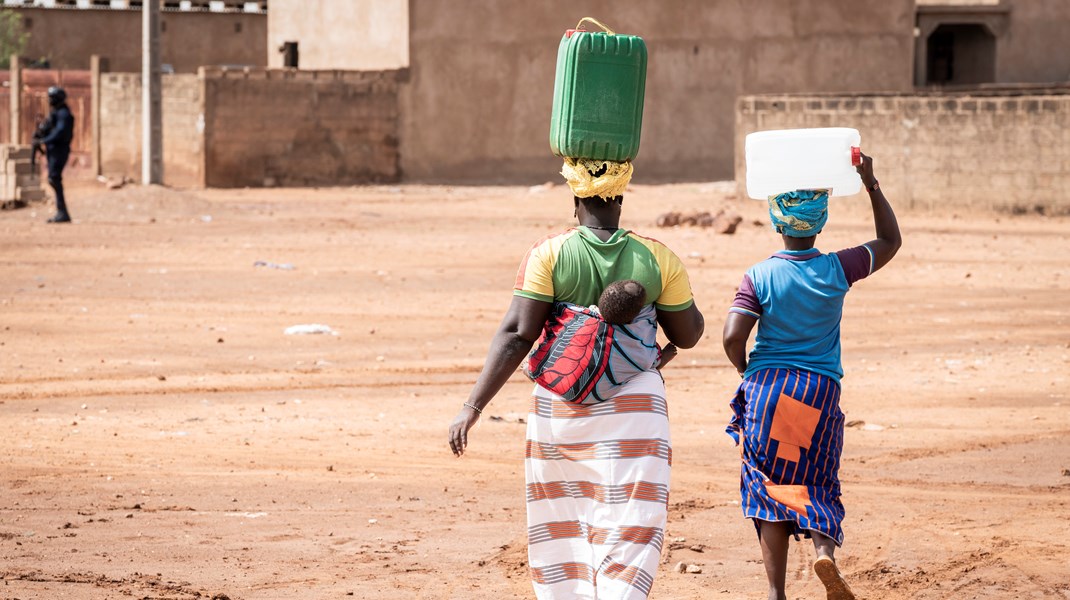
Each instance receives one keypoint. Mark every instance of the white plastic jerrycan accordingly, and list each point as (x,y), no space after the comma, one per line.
(785,160)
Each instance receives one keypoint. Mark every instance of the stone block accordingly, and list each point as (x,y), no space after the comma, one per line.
(17,153)
(30,194)
(30,180)
(21,166)
(911,106)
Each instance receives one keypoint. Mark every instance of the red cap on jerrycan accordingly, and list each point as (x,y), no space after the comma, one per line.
(856,156)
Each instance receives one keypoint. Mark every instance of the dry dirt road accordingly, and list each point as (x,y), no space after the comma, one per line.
(162,437)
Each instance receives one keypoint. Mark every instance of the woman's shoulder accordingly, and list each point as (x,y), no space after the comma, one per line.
(554,240)
(656,247)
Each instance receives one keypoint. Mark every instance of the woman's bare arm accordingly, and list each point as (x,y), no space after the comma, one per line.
(684,328)
(520,327)
(888,239)
(737,329)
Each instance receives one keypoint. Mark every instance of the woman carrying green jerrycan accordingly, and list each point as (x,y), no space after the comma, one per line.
(597,457)
(786,414)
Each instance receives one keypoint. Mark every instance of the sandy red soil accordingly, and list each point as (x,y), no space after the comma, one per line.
(162,437)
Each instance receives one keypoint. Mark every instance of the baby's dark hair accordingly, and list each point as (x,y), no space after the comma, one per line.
(621,301)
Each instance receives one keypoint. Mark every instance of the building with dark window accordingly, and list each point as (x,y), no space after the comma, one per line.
(977,42)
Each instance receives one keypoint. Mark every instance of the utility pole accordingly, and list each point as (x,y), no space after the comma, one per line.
(16,100)
(151,95)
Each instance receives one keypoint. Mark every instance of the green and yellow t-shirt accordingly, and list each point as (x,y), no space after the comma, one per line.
(575,266)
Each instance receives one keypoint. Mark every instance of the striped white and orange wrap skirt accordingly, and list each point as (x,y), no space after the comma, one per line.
(598,491)
(789,427)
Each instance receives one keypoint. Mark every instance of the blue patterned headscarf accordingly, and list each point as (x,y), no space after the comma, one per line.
(801,213)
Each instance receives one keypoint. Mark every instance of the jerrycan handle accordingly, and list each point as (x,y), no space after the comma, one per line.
(579,26)
(856,156)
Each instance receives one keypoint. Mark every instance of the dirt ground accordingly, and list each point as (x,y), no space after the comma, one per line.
(163,438)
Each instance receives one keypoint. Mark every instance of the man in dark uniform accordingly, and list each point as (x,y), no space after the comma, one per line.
(57,144)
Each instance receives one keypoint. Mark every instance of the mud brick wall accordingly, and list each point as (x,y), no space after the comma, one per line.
(299,128)
(120,128)
(1004,150)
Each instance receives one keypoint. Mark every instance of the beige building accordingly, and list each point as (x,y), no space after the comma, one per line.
(355,34)
(476,102)
(64,34)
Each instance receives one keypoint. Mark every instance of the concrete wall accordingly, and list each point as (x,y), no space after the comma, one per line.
(355,34)
(477,107)
(296,128)
(1005,150)
(68,37)
(120,128)
(1027,53)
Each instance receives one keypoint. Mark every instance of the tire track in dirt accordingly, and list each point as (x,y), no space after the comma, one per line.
(988,443)
(140,386)
(136,584)
(973,574)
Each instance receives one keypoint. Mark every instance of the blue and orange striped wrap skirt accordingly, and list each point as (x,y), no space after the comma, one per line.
(789,427)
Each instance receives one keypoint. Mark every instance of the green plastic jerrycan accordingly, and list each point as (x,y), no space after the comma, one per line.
(598,95)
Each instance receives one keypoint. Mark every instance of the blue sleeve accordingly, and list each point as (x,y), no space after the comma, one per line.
(60,129)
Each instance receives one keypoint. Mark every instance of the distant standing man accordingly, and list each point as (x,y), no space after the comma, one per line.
(57,144)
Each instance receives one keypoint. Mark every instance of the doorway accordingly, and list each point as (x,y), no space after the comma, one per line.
(960,54)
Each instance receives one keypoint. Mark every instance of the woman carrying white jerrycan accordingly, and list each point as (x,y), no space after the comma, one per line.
(786,414)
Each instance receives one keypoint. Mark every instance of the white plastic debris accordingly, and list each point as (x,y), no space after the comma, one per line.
(271,265)
(310,329)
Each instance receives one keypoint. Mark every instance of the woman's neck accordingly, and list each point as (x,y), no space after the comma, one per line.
(796,244)
(602,229)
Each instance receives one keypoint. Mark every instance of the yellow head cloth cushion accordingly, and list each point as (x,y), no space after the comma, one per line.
(579,173)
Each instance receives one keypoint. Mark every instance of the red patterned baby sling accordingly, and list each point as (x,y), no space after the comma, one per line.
(573,352)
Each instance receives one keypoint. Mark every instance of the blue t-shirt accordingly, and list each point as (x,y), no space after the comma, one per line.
(797,297)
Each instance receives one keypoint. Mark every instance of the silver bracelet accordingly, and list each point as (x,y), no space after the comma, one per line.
(473,407)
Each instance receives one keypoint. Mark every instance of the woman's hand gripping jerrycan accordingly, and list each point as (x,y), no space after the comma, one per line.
(786,160)
(598,95)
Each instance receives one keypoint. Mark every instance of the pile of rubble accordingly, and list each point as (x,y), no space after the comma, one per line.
(724,221)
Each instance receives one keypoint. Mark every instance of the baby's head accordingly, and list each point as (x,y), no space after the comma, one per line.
(622,301)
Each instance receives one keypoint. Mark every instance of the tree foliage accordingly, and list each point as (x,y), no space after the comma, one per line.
(13,36)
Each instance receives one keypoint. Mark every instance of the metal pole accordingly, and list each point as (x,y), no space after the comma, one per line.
(97,65)
(16,100)
(151,120)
